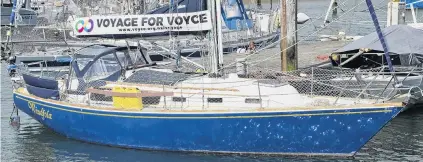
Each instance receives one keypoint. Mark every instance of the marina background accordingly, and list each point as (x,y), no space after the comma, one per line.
(401,140)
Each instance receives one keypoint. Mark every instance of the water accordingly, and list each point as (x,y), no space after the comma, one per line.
(400,140)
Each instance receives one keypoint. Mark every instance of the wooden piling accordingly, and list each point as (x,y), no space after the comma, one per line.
(288,29)
(283,35)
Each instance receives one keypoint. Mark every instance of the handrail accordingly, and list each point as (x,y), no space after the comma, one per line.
(175,87)
(124,94)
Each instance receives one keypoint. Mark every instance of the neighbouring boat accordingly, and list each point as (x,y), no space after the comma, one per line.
(366,63)
(51,62)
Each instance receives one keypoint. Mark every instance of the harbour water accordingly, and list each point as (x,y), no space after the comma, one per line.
(400,140)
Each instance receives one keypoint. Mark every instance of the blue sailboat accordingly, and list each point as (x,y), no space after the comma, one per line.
(115,96)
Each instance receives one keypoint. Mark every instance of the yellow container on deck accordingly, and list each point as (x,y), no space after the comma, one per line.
(134,103)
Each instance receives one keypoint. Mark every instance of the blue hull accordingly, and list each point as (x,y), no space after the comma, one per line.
(314,132)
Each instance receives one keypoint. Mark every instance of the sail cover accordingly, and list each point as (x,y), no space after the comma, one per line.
(41,87)
(400,39)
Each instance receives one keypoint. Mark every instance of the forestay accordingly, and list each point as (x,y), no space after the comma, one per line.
(139,24)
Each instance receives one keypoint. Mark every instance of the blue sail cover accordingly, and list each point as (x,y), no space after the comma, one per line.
(43,92)
(416,3)
(40,82)
(41,87)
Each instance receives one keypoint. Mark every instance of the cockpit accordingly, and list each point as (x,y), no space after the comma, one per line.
(107,62)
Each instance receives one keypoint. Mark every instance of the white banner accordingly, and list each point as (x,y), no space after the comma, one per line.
(138,24)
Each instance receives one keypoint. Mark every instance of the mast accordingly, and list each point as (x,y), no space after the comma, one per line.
(216,57)
(219,34)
